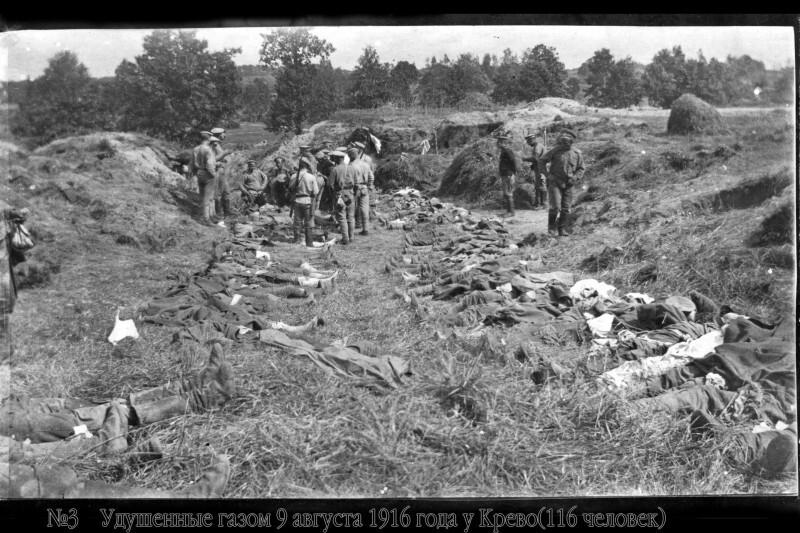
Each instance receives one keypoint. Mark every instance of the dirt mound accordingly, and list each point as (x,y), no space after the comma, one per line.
(561,104)
(412,170)
(689,114)
(460,129)
(147,157)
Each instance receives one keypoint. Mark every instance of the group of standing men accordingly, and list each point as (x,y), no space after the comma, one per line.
(206,164)
(555,172)
(342,178)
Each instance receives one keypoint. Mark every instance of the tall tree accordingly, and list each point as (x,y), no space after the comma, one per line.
(64,100)
(177,85)
(256,97)
(328,94)
(666,78)
(402,80)
(598,72)
(507,79)
(293,49)
(370,80)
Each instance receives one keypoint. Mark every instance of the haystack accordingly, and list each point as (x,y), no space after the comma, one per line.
(690,114)
(473,172)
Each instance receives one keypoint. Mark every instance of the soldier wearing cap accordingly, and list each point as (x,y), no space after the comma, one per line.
(222,198)
(342,180)
(369,164)
(566,169)
(324,167)
(507,171)
(364,179)
(327,145)
(305,151)
(204,165)
(304,188)
(538,179)
(254,184)
(278,183)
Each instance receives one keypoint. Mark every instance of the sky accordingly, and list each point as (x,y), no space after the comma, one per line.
(25,53)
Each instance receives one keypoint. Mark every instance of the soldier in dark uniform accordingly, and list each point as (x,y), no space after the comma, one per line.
(566,169)
(538,178)
(508,171)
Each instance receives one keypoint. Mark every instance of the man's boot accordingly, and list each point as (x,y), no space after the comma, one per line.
(345,235)
(310,237)
(563,225)
(296,232)
(205,219)
(215,211)
(510,204)
(351,230)
(551,223)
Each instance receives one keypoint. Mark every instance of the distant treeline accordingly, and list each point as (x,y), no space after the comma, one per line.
(177,86)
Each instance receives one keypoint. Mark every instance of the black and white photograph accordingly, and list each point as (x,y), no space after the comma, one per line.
(397,262)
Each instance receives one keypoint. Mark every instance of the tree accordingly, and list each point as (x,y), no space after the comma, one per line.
(64,100)
(256,98)
(402,79)
(573,88)
(177,85)
(370,80)
(666,79)
(434,86)
(294,50)
(539,74)
(782,90)
(598,72)
(467,76)
(328,91)
(612,83)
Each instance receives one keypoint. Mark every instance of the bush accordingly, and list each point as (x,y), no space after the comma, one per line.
(475,101)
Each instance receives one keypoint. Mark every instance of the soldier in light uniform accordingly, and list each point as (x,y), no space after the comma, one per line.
(363,187)
(222,198)
(566,169)
(360,147)
(538,178)
(204,165)
(342,179)
(304,188)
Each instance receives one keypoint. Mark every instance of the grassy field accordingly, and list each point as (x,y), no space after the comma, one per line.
(294,432)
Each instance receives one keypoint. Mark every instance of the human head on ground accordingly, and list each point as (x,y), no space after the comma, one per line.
(566,137)
(218,133)
(532,139)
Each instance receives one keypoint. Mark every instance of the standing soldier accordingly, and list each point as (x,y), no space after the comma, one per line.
(538,178)
(305,151)
(368,164)
(324,168)
(508,171)
(304,187)
(566,169)
(342,180)
(327,144)
(9,258)
(278,183)
(222,200)
(205,166)
(363,185)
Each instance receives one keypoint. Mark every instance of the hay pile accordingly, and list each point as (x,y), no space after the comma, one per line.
(473,172)
(460,129)
(689,114)
(413,170)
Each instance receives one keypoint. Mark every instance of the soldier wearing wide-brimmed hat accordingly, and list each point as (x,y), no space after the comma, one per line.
(540,188)
(508,171)
(566,169)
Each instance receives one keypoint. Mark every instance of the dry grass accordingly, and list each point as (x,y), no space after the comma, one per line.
(294,432)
